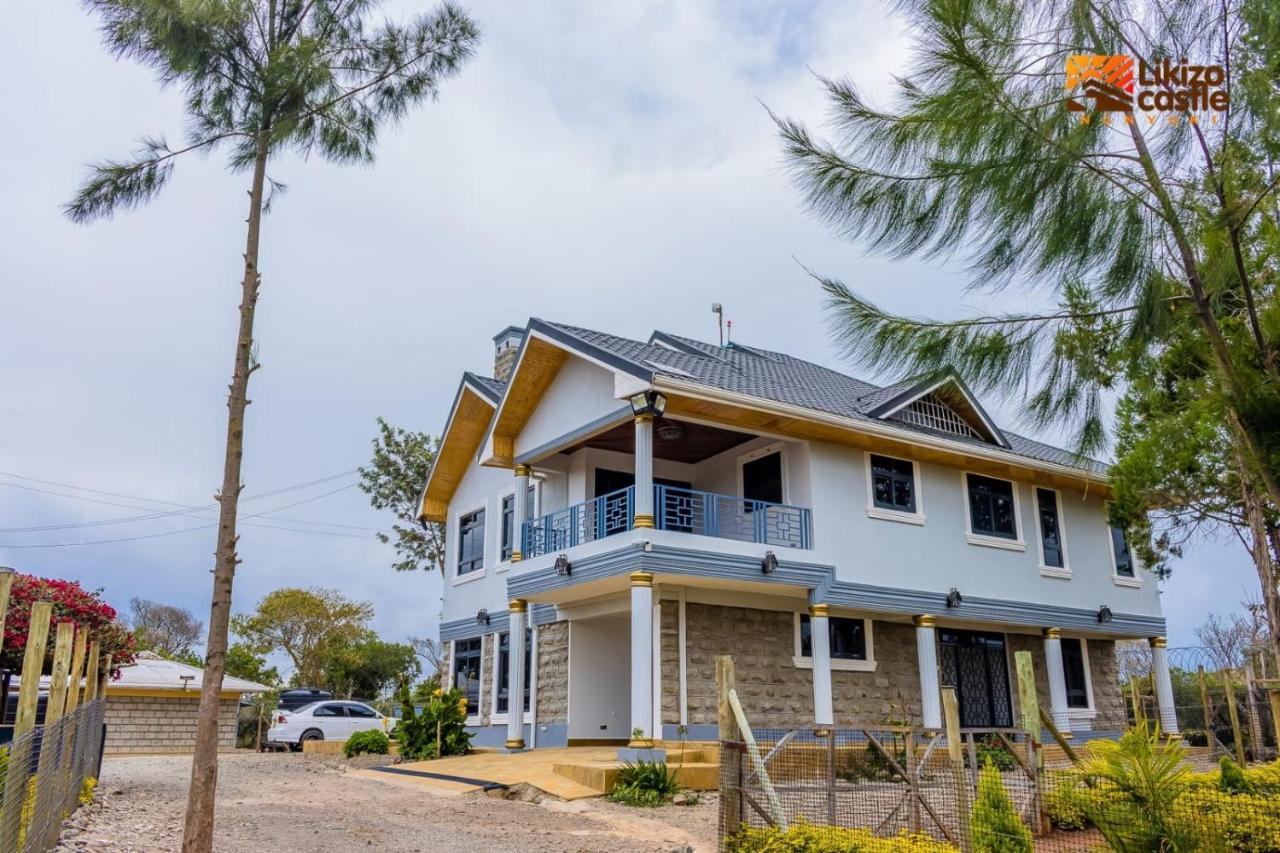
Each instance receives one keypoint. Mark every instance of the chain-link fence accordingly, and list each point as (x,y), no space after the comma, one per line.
(843,789)
(43,775)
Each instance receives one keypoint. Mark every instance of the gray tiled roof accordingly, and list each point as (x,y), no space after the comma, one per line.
(784,379)
(493,386)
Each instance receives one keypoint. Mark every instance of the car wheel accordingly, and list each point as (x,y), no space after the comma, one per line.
(310,734)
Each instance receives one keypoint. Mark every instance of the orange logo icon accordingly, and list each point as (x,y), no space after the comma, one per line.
(1107,80)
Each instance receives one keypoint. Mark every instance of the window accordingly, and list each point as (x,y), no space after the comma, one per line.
(762,478)
(1120,552)
(356,710)
(502,699)
(466,670)
(328,711)
(1073,667)
(893,484)
(991,507)
(850,640)
(508,522)
(1052,552)
(471,542)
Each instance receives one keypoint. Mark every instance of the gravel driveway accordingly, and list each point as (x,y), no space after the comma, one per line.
(295,802)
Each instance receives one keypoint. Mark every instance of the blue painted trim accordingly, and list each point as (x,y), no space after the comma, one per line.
(499,621)
(504,332)
(820,579)
(555,735)
(543,614)
(693,732)
(612,419)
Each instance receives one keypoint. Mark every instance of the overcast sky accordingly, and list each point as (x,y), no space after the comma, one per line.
(603,164)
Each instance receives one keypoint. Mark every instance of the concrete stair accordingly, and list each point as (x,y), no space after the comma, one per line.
(697,767)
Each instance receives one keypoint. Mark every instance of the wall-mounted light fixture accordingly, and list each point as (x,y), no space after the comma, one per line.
(1104,614)
(648,403)
(769,564)
(954,598)
(482,617)
(563,568)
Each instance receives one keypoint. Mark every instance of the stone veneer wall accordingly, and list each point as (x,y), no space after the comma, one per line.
(163,724)
(1108,700)
(553,673)
(486,677)
(774,691)
(670,659)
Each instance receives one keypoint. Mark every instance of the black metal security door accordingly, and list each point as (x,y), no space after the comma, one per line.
(975,665)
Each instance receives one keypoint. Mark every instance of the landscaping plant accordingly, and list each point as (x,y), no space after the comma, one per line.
(368,742)
(996,826)
(1149,776)
(803,837)
(445,714)
(645,784)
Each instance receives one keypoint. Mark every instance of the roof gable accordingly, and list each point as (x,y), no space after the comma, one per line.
(469,416)
(940,403)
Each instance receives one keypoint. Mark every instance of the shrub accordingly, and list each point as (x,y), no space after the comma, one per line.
(370,741)
(996,826)
(803,837)
(1214,820)
(1231,778)
(988,748)
(445,712)
(644,784)
(87,787)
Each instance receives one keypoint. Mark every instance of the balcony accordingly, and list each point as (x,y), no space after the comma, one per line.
(676,509)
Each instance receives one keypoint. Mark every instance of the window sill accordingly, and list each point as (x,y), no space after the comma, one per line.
(1082,713)
(995,542)
(503,719)
(1055,572)
(473,721)
(468,577)
(1131,583)
(503,566)
(838,664)
(894,515)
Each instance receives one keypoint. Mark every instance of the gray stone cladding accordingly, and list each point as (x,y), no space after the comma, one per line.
(670,634)
(553,673)
(143,724)
(486,677)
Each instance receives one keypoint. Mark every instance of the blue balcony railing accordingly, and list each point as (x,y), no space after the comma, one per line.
(676,509)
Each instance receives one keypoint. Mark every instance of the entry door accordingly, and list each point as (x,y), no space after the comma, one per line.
(975,664)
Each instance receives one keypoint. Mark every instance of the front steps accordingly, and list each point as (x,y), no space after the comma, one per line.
(697,767)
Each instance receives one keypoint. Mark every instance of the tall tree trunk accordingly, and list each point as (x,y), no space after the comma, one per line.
(198,834)
(1261,551)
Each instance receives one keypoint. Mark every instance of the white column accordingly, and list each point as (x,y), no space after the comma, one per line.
(1164,686)
(927,659)
(644,471)
(521,511)
(641,660)
(1057,679)
(820,641)
(518,610)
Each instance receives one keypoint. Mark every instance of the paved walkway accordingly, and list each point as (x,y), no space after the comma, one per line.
(529,768)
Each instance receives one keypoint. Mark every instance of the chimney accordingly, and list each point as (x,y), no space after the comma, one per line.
(505,346)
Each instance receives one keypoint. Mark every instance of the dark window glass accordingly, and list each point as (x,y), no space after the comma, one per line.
(991,510)
(354,710)
(1120,545)
(893,484)
(848,638)
(471,542)
(508,520)
(530,501)
(504,665)
(762,479)
(328,711)
(466,671)
(1073,669)
(1050,528)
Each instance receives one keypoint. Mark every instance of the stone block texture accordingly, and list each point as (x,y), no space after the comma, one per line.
(486,676)
(553,673)
(670,636)
(1108,699)
(142,724)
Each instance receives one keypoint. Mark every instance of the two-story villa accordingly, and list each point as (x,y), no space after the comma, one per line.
(619,512)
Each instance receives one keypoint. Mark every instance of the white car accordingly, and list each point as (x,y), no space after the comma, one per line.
(331,720)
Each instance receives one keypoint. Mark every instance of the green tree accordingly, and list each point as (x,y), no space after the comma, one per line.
(243,663)
(261,77)
(303,624)
(365,667)
(996,826)
(394,480)
(1130,225)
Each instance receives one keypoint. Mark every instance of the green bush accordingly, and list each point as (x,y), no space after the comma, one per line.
(1231,778)
(989,748)
(644,784)
(1209,820)
(445,712)
(803,837)
(371,742)
(996,827)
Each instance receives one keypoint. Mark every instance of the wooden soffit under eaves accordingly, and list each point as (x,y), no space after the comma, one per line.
(540,363)
(796,427)
(457,449)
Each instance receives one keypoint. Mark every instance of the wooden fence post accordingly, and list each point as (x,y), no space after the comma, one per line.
(6,585)
(1236,735)
(103,679)
(1207,705)
(32,663)
(1029,705)
(1139,715)
(1251,700)
(58,680)
(730,753)
(91,672)
(77,670)
(955,749)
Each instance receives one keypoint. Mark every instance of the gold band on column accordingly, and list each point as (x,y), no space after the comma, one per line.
(521,470)
(925,621)
(819,610)
(515,743)
(1053,633)
(516,556)
(1158,642)
(643,520)
(644,416)
(518,605)
(641,579)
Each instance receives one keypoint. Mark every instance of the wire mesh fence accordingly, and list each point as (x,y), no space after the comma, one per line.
(42,777)
(889,788)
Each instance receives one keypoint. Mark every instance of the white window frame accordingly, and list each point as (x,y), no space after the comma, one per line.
(837,664)
(453,654)
(1090,712)
(502,565)
(455,527)
(778,447)
(1064,571)
(880,512)
(501,719)
(1118,579)
(1018,544)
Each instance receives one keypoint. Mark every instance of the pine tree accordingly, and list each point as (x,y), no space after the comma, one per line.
(996,826)
(261,77)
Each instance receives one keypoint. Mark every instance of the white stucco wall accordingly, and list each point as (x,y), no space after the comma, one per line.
(600,677)
(580,393)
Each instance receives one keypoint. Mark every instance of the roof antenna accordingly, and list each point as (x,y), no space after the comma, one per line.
(730,325)
(719,312)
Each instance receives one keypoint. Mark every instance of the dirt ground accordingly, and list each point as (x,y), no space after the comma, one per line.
(296,802)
